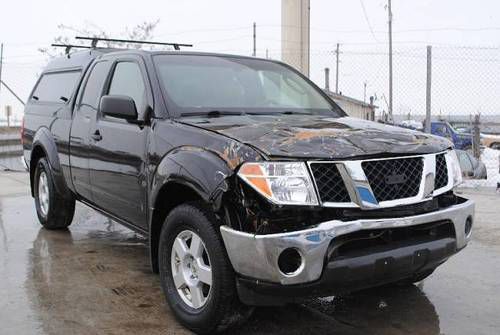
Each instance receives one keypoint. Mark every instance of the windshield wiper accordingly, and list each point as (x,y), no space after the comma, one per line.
(212,113)
(287,112)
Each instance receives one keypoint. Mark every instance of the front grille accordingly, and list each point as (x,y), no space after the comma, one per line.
(330,185)
(441,179)
(394,178)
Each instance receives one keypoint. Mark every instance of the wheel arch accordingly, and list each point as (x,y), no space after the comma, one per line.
(495,144)
(44,146)
(186,173)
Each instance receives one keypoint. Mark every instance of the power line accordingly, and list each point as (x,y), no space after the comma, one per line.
(367,20)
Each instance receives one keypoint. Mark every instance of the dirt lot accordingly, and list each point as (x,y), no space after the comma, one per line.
(95,279)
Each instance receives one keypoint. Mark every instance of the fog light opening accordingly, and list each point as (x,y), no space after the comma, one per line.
(468,226)
(290,262)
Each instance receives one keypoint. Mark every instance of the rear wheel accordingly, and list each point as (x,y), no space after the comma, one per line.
(196,275)
(53,211)
(495,146)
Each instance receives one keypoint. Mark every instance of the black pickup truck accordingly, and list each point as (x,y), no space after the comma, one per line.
(253,187)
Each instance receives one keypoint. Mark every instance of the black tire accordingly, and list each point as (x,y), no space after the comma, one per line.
(495,146)
(416,278)
(60,211)
(222,308)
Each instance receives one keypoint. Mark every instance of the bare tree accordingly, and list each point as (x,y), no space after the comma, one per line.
(140,32)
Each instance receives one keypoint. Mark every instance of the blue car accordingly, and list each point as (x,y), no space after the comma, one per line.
(460,140)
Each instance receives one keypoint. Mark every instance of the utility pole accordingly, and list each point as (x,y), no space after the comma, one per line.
(364,92)
(254,40)
(428,91)
(390,60)
(337,69)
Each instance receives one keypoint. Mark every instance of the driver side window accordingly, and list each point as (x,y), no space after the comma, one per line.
(127,80)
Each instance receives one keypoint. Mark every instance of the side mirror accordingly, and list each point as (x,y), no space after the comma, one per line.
(118,106)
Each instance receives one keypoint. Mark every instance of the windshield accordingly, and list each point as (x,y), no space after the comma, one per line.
(202,84)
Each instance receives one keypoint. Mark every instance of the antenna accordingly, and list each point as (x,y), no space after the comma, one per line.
(95,40)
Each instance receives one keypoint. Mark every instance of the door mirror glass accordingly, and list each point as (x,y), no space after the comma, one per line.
(118,106)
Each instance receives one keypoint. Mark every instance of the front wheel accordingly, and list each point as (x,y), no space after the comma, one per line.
(53,210)
(195,273)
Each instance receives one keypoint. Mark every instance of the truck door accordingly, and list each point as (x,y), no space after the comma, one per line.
(118,148)
(84,117)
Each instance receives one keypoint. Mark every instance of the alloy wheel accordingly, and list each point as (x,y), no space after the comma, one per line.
(43,193)
(191,270)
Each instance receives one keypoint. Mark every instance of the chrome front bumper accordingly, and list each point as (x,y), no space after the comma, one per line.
(256,256)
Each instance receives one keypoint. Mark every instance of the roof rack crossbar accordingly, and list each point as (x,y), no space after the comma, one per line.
(68,47)
(97,39)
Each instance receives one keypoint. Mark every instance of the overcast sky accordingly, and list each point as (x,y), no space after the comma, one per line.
(225,26)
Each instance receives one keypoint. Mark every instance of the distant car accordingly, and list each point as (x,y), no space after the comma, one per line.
(487,140)
(472,168)
(462,141)
(491,141)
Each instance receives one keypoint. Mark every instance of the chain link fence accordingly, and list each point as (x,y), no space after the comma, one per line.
(464,85)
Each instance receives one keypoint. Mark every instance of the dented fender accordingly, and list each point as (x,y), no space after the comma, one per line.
(204,170)
(199,169)
(201,160)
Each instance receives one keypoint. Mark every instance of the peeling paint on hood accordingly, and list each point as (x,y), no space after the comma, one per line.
(320,137)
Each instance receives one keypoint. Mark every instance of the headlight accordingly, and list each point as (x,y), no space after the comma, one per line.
(280,182)
(456,171)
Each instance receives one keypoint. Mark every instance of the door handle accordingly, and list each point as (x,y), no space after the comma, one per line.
(96,136)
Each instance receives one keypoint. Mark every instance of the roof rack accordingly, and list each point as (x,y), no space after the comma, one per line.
(97,39)
(70,46)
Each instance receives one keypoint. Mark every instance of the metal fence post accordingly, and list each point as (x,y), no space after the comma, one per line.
(8,114)
(254,53)
(428,91)
(476,136)
(327,79)
(337,69)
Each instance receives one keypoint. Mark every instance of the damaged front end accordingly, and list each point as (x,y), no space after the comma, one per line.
(343,224)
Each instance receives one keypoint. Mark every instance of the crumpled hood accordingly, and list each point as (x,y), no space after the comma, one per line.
(320,137)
